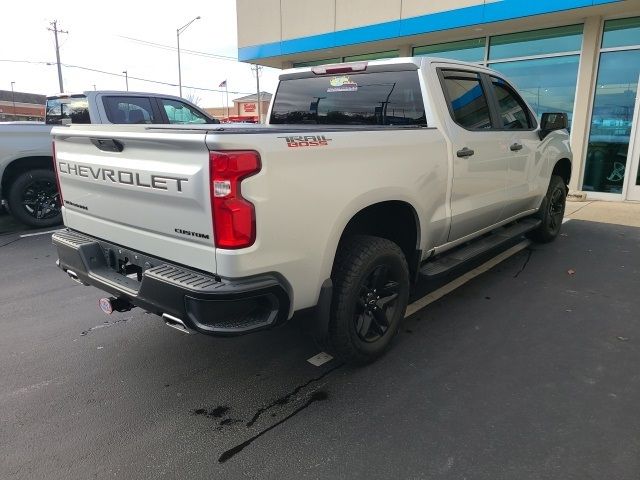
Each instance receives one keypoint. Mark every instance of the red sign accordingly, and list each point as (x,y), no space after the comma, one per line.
(249,107)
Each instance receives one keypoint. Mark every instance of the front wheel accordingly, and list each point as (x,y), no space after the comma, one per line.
(34,199)
(551,212)
(371,291)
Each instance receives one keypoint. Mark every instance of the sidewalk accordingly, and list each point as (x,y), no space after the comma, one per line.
(619,213)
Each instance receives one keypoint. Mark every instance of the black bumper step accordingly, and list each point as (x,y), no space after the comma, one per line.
(202,302)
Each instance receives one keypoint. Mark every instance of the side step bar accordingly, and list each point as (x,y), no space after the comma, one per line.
(448,261)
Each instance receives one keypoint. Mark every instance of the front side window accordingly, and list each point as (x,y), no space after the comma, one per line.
(511,108)
(129,110)
(467,100)
(179,112)
(383,98)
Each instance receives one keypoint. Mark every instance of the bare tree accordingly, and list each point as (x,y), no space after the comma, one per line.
(193,97)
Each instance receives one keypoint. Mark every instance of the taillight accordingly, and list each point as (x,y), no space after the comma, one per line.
(55,170)
(234,217)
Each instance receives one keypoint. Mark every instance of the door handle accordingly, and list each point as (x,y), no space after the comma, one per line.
(515,147)
(465,152)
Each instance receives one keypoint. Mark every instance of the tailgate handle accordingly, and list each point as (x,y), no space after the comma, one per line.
(108,144)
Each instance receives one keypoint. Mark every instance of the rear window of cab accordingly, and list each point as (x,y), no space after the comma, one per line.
(382,98)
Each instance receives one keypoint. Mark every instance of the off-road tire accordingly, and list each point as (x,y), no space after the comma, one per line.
(551,212)
(34,179)
(357,267)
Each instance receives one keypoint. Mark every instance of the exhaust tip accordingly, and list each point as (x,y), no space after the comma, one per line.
(176,323)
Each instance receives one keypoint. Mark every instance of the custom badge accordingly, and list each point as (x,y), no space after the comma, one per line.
(342,83)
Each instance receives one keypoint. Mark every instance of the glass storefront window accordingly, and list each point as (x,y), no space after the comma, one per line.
(621,33)
(313,63)
(466,50)
(547,84)
(373,56)
(616,89)
(536,42)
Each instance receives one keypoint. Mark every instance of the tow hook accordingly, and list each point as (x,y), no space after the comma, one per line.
(111,304)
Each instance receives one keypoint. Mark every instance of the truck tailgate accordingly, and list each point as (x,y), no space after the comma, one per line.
(147,192)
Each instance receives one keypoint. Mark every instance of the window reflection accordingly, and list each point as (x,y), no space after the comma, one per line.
(547,84)
(536,42)
(465,50)
(613,106)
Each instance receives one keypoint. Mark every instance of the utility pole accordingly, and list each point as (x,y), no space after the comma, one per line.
(55,31)
(94,86)
(257,69)
(13,99)
(126,78)
(178,32)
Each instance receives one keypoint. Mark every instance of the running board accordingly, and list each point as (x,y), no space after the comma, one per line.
(460,255)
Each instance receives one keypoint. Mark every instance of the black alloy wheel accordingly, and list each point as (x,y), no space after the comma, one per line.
(41,199)
(376,304)
(551,212)
(370,295)
(34,199)
(556,208)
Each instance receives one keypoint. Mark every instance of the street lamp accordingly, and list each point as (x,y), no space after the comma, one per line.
(126,78)
(178,32)
(13,100)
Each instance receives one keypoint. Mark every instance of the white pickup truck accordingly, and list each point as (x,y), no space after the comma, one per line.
(367,177)
(27,181)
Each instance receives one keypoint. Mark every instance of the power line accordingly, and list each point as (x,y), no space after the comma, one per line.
(104,72)
(169,47)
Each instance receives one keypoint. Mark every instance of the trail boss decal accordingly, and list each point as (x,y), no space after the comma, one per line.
(307,141)
(342,84)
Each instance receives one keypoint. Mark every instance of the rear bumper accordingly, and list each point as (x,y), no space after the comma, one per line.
(203,302)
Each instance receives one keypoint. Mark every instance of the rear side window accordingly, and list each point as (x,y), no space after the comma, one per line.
(467,100)
(512,109)
(65,111)
(384,98)
(129,110)
(179,112)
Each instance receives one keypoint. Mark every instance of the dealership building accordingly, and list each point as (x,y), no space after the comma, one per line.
(581,57)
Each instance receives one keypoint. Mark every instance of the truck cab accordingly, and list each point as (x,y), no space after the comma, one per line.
(122,108)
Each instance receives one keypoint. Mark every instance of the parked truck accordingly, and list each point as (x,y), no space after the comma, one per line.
(368,177)
(27,182)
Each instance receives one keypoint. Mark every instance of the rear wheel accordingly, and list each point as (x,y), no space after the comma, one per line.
(371,291)
(34,199)
(551,212)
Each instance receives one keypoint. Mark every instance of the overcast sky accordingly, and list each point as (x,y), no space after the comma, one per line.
(96,40)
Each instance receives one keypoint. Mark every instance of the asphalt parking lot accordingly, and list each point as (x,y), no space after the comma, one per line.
(527,371)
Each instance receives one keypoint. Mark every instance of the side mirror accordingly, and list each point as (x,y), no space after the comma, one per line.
(552,121)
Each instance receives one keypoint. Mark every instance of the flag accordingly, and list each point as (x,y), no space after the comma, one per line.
(223,84)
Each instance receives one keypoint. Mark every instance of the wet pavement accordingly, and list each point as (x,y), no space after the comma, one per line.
(527,371)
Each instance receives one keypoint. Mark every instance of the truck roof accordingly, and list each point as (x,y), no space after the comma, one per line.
(386,64)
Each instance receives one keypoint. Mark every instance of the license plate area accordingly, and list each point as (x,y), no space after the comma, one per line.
(124,267)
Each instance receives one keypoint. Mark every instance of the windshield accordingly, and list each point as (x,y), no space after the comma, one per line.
(67,110)
(384,98)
